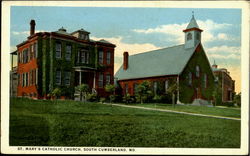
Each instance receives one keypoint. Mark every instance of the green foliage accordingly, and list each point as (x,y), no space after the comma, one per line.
(112,98)
(143,91)
(102,100)
(83,89)
(126,98)
(228,104)
(110,89)
(57,92)
(71,124)
(217,94)
(92,97)
(237,99)
(187,91)
(157,98)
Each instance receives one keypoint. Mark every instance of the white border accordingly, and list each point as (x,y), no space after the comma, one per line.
(5,66)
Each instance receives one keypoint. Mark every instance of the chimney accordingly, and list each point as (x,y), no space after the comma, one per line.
(125,60)
(32,27)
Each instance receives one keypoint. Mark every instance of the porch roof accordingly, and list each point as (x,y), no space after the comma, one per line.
(84,68)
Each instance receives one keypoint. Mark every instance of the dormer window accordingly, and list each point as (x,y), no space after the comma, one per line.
(189,36)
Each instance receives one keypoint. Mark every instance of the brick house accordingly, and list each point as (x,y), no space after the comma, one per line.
(185,65)
(49,60)
(225,82)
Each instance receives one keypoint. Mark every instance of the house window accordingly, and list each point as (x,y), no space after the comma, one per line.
(166,85)
(58,77)
(100,57)
(205,80)
(197,71)
(190,78)
(84,54)
(68,52)
(155,87)
(126,88)
(31,78)
(108,79)
(58,50)
(35,50)
(36,80)
(67,78)
(26,79)
(31,51)
(22,79)
(108,57)
(100,80)
(189,36)
(25,56)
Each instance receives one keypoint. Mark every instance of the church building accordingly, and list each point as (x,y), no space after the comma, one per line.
(185,65)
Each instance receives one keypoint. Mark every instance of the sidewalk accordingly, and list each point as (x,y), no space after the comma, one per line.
(172,111)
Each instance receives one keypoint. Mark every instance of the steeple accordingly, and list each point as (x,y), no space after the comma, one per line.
(192,23)
(214,65)
(192,33)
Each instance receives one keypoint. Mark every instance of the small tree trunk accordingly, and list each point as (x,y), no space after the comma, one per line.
(173,99)
(80,96)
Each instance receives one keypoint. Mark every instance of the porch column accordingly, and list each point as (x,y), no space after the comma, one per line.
(94,80)
(80,79)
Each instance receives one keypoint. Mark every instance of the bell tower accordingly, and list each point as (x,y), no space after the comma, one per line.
(192,34)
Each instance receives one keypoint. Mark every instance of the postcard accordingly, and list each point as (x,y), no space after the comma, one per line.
(125,77)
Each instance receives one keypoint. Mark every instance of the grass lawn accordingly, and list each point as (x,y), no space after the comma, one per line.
(227,112)
(70,123)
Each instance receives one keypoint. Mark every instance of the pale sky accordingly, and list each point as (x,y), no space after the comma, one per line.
(138,30)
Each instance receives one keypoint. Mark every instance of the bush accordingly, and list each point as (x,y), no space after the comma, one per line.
(102,100)
(92,97)
(112,98)
(157,98)
(228,104)
(126,98)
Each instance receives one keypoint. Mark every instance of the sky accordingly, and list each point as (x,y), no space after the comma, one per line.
(138,30)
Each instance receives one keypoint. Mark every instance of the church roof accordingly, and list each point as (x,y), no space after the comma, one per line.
(192,23)
(161,62)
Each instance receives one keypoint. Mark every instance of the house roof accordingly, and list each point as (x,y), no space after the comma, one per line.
(166,61)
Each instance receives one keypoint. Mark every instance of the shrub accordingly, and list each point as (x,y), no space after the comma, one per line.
(102,100)
(92,97)
(126,98)
(57,92)
(228,104)
(157,98)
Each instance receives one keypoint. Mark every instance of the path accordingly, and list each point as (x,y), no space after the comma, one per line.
(172,111)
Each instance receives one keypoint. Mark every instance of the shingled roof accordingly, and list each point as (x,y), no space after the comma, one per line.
(166,61)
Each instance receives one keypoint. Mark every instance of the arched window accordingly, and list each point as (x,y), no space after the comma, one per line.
(166,85)
(198,36)
(190,78)
(197,71)
(205,80)
(155,87)
(189,36)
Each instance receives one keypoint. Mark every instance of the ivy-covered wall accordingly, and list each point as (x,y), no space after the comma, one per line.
(188,92)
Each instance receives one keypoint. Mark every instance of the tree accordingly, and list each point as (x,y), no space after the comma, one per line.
(110,89)
(172,90)
(142,91)
(57,92)
(217,94)
(83,89)
(237,99)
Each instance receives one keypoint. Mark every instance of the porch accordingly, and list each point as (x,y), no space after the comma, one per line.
(85,75)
